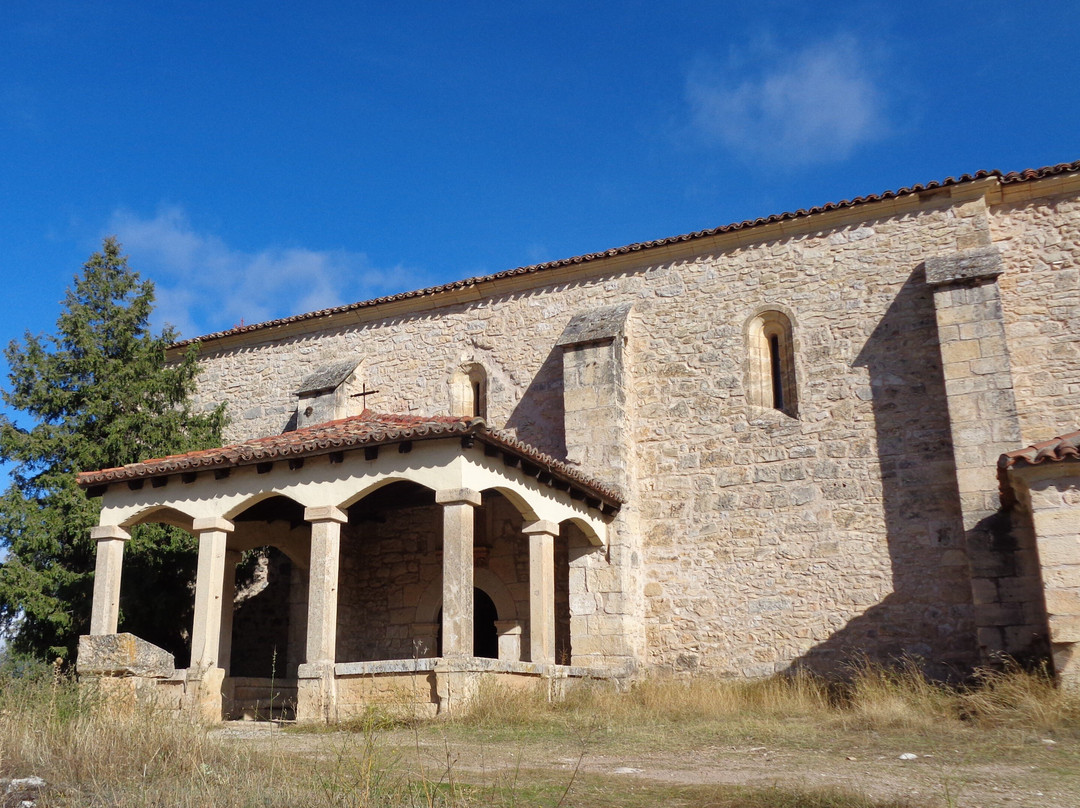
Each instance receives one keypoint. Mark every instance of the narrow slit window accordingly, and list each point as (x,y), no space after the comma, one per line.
(770,356)
(478,398)
(468,391)
(777,377)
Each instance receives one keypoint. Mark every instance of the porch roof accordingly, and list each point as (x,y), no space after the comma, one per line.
(368,431)
(1063,447)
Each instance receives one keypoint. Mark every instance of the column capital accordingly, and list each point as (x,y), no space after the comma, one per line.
(102,532)
(542,526)
(325,513)
(205,523)
(459,496)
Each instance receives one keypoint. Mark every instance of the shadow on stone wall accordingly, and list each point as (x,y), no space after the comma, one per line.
(539,417)
(929,613)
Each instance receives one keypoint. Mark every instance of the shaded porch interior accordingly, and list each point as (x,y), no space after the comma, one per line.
(389,591)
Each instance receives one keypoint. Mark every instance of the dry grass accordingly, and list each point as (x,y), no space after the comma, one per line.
(93,757)
(873,697)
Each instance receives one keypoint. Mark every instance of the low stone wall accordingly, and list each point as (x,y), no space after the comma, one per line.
(426,688)
(403,688)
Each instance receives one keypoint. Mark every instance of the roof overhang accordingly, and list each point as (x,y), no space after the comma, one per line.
(1061,455)
(339,462)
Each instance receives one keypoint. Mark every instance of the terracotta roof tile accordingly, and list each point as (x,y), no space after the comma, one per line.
(1065,447)
(1062,448)
(367,429)
(1004,178)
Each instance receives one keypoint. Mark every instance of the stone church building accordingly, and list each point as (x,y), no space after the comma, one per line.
(844,430)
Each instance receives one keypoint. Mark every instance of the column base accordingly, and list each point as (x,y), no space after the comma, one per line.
(316,694)
(202,699)
(456,684)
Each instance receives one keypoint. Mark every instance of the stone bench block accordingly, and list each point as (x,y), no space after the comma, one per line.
(123,655)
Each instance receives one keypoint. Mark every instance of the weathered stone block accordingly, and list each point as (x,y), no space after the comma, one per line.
(1064,522)
(1058,550)
(1064,628)
(123,655)
(1062,601)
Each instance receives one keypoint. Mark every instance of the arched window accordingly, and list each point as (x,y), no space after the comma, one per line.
(771,362)
(468,391)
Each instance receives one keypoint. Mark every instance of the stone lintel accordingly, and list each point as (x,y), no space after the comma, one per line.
(542,526)
(598,325)
(966,266)
(103,532)
(325,513)
(218,523)
(123,655)
(458,496)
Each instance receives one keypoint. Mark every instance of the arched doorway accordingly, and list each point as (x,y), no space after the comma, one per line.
(485,635)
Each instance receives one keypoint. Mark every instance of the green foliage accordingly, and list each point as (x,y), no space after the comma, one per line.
(100,395)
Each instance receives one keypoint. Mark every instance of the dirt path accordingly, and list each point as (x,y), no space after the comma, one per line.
(1044,775)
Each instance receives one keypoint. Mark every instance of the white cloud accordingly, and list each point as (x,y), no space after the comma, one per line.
(204,285)
(815,105)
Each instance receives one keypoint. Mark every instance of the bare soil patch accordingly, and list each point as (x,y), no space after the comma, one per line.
(1008,772)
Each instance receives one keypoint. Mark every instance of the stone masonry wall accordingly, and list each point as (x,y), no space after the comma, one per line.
(1040,244)
(388,567)
(765,540)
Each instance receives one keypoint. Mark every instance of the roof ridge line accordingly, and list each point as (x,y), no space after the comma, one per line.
(1005,178)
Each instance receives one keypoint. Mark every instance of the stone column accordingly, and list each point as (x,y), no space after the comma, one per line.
(105,611)
(541,590)
(203,687)
(984,424)
(457,613)
(228,594)
(326,522)
(213,533)
(316,690)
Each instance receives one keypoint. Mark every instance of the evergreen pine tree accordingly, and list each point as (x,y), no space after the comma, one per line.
(100,395)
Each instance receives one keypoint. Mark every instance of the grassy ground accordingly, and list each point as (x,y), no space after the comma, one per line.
(1009,739)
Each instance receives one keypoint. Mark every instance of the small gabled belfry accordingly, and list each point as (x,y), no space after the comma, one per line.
(299,491)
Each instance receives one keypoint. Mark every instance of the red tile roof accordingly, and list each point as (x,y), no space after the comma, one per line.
(367,429)
(1065,447)
(1004,178)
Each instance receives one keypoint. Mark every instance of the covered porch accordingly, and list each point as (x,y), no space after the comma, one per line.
(409,558)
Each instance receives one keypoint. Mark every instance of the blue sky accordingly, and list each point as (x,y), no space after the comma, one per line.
(262,159)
